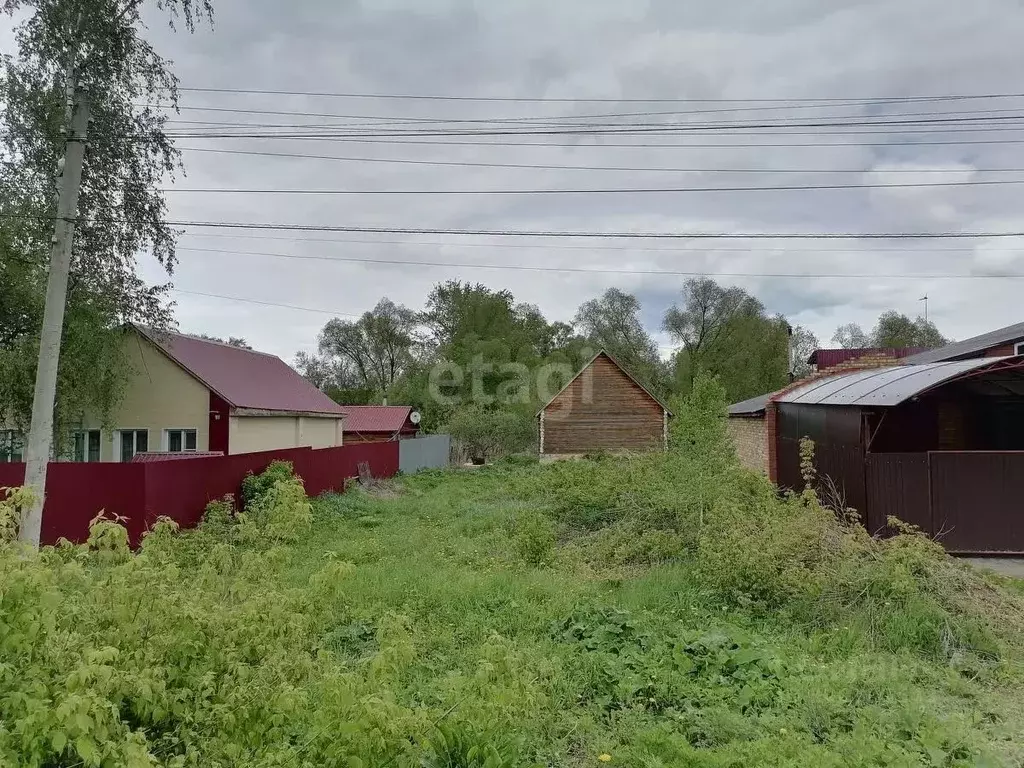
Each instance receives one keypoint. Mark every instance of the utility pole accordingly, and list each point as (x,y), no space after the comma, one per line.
(40,436)
(925,300)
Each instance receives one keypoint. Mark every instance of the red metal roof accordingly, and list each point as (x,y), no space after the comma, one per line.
(242,377)
(151,456)
(376,418)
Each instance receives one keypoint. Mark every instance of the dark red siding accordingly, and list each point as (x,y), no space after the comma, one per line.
(220,418)
(976,501)
(838,449)
(898,486)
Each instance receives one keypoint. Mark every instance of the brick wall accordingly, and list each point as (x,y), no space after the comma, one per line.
(749,436)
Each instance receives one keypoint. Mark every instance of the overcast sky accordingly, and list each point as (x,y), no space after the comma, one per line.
(601,49)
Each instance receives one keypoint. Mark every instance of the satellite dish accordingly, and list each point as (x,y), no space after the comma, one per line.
(415,417)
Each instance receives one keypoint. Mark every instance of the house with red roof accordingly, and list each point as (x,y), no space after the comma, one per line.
(380,423)
(189,394)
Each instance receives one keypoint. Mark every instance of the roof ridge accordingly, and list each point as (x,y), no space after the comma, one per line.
(196,337)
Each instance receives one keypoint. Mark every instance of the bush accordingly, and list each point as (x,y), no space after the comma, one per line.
(256,486)
(533,535)
(486,433)
(277,508)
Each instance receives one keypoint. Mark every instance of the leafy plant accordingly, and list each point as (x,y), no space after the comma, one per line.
(534,537)
(254,486)
(485,433)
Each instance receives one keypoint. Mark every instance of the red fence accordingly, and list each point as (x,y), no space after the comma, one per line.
(180,490)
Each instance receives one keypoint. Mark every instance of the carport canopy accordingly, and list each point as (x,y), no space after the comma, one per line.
(888,387)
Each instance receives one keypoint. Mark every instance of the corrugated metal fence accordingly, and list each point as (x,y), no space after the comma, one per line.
(427,452)
(971,501)
(180,490)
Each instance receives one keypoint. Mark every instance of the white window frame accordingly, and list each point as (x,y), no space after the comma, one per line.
(1018,348)
(166,444)
(117,441)
(85,446)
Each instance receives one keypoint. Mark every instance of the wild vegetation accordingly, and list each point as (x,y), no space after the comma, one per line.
(663,610)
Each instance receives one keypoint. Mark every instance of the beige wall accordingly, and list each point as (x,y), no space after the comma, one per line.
(248,434)
(749,437)
(159,396)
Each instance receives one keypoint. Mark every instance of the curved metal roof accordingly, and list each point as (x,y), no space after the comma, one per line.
(883,387)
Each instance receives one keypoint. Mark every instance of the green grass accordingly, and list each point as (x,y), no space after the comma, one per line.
(664,610)
(560,663)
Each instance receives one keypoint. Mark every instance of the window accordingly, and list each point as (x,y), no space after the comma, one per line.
(132,441)
(87,445)
(11,445)
(180,440)
(1018,348)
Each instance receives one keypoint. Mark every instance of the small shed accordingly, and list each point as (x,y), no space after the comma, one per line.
(938,445)
(603,408)
(380,423)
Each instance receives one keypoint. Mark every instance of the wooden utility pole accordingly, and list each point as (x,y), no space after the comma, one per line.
(40,436)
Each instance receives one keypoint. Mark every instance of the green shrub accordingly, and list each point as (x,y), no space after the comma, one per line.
(533,535)
(255,486)
(219,515)
(486,433)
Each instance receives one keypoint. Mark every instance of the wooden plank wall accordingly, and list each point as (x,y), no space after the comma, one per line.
(602,410)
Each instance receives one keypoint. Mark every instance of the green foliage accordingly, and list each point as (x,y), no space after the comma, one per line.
(893,330)
(254,486)
(460,746)
(727,332)
(121,206)
(486,432)
(534,537)
(686,615)
(12,502)
(699,428)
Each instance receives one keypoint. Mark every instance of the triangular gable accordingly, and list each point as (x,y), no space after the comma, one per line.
(618,365)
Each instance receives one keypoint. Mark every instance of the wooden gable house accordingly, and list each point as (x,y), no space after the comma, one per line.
(603,408)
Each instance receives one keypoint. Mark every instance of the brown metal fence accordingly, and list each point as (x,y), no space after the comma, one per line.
(898,486)
(977,504)
(971,501)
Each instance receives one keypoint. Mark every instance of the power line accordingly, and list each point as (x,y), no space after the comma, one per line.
(957,124)
(516,119)
(262,303)
(590,234)
(689,145)
(552,167)
(567,121)
(556,233)
(605,191)
(598,100)
(788,248)
(584,270)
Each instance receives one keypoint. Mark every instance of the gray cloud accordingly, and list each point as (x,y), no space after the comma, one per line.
(609,50)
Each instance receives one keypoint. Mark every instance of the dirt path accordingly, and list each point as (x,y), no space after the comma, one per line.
(1005,566)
